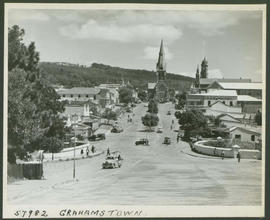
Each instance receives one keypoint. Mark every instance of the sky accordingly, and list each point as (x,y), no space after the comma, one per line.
(230,40)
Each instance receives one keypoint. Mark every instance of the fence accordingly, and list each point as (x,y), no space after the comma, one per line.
(25,170)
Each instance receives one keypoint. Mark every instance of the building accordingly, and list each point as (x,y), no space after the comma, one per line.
(79,94)
(245,134)
(202,100)
(159,90)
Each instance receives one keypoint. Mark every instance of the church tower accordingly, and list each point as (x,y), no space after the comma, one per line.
(161,65)
(161,88)
(197,80)
(204,68)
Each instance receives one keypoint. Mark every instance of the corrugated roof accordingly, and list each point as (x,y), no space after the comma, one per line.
(253,130)
(218,93)
(247,98)
(151,85)
(242,85)
(206,81)
(80,90)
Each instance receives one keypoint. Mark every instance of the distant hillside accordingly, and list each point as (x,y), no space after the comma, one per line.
(71,75)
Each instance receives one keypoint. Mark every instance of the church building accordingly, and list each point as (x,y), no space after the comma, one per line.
(159,90)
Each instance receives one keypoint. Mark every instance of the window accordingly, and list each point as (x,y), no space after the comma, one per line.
(95,97)
(223,102)
(64,96)
(231,103)
(71,96)
(209,103)
(253,137)
(86,96)
(238,136)
(79,95)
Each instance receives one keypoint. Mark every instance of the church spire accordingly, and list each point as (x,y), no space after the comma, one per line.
(161,65)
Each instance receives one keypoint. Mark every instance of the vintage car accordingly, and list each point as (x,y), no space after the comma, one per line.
(117,130)
(96,137)
(167,140)
(159,130)
(112,161)
(142,141)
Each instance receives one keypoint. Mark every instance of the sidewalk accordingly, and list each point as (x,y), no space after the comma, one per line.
(186,149)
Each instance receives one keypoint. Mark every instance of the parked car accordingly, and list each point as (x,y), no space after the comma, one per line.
(169,113)
(167,140)
(142,141)
(111,162)
(117,130)
(97,137)
(159,130)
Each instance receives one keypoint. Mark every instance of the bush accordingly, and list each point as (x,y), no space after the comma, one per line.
(12,156)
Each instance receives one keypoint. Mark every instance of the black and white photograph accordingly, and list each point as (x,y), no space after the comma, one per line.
(134,110)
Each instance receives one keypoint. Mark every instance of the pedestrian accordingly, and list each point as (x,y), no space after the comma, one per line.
(93,149)
(238,157)
(222,154)
(171,127)
(172,121)
(87,151)
(119,157)
(82,152)
(178,137)
(108,152)
(215,149)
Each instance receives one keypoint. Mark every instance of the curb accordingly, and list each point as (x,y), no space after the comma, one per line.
(77,158)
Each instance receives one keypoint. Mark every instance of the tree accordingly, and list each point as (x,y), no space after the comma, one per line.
(153,106)
(191,120)
(33,106)
(109,115)
(125,95)
(258,118)
(142,94)
(181,101)
(150,120)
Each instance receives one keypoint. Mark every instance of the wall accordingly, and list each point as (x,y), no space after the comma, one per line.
(250,154)
(207,150)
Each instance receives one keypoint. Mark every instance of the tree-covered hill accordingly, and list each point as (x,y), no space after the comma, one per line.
(71,75)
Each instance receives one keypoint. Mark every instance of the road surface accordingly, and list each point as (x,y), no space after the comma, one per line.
(150,175)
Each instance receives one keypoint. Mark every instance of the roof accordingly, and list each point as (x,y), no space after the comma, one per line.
(247,98)
(221,117)
(151,85)
(206,81)
(241,85)
(80,90)
(218,93)
(256,131)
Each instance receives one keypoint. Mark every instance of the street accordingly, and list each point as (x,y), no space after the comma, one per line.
(150,175)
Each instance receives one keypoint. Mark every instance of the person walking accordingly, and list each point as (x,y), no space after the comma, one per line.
(215,149)
(108,152)
(222,154)
(82,152)
(93,149)
(238,157)
(178,137)
(87,151)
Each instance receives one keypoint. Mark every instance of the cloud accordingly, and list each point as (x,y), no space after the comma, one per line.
(28,15)
(151,53)
(215,73)
(207,23)
(110,31)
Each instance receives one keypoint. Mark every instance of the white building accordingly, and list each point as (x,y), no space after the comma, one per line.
(79,94)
